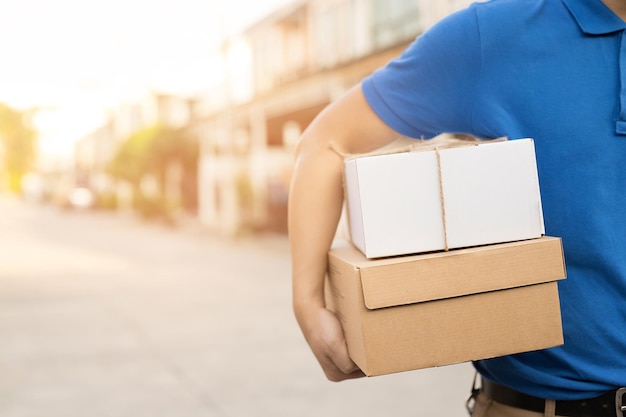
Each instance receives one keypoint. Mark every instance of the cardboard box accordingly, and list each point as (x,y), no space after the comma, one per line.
(421,201)
(428,310)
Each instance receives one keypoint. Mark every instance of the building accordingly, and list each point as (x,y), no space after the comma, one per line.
(281,72)
(94,151)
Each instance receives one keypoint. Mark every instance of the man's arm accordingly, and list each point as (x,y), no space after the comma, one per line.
(315,203)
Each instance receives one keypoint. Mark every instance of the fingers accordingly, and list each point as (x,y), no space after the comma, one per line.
(340,376)
(336,372)
(332,353)
(338,366)
(324,334)
(341,359)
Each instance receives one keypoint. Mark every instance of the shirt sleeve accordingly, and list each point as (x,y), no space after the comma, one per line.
(430,88)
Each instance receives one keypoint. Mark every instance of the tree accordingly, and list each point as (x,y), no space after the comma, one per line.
(149,151)
(18,141)
(131,160)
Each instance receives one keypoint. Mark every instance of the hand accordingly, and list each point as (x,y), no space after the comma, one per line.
(315,203)
(325,337)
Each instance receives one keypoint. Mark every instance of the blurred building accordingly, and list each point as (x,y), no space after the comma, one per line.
(94,151)
(281,72)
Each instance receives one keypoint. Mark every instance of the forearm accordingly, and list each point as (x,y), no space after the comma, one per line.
(316,194)
(315,202)
(316,198)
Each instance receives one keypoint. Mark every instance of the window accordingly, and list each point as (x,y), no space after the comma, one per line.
(335,34)
(394,21)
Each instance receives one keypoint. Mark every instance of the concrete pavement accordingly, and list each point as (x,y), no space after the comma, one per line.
(105,316)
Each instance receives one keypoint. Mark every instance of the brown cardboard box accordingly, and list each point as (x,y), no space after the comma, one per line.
(427,310)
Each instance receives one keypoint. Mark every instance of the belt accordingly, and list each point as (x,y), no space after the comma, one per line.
(610,404)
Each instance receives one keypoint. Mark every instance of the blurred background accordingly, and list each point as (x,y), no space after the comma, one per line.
(145,157)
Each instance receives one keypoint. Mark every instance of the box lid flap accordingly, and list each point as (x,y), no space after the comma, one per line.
(419,278)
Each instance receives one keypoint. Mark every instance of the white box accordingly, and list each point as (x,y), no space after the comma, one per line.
(431,200)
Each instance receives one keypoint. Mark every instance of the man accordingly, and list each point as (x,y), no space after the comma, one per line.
(553,70)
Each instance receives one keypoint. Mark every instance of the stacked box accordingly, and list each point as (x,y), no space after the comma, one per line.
(476,285)
(434,309)
(421,201)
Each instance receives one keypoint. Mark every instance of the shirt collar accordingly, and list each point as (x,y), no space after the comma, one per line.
(594,17)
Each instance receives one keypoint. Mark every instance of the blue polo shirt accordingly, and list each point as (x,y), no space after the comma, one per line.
(553,70)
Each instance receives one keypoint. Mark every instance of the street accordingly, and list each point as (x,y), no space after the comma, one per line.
(102,315)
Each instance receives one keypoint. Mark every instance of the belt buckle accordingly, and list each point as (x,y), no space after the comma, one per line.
(620,405)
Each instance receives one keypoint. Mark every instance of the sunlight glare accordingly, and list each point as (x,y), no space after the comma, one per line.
(75,60)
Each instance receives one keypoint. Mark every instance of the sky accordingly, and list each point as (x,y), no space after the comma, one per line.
(76,57)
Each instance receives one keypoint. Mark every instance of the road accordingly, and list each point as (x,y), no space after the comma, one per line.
(102,315)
